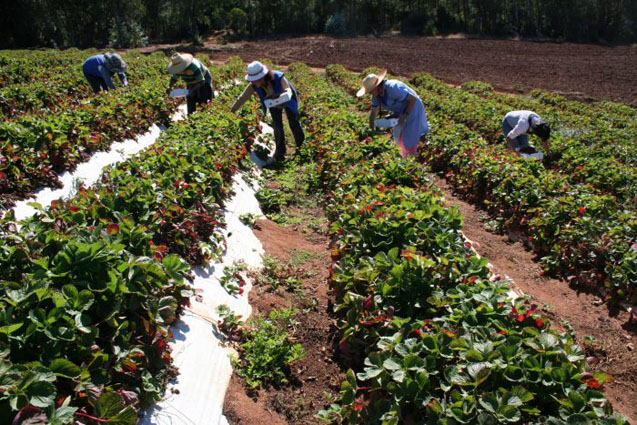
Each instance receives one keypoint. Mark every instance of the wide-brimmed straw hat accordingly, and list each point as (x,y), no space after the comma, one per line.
(179,62)
(371,82)
(256,71)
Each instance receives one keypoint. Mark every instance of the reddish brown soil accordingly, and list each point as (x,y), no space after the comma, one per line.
(616,343)
(581,71)
(317,373)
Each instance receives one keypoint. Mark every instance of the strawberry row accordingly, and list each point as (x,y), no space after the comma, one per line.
(90,286)
(435,339)
(65,87)
(588,150)
(580,233)
(33,149)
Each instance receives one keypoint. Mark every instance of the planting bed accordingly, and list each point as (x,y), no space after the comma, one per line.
(374,308)
(394,245)
(91,284)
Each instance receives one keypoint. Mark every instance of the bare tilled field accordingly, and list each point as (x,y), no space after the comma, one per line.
(579,71)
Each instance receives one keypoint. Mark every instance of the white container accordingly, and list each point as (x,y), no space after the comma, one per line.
(386,122)
(179,93)
(536,155)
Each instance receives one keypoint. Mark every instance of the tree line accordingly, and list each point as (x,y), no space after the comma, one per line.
(131,23)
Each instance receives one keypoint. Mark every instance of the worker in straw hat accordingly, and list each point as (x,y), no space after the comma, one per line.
(277,94)
(196,76)
(401,100)
(516,126)
(99,70)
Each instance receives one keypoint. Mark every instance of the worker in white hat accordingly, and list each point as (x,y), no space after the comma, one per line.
(277,94)
(196,76)
(401,100)
(99,70)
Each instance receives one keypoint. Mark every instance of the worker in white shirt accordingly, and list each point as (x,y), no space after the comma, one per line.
(517,125)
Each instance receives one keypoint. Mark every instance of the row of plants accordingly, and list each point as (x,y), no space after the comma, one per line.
(603,114)
(22,66)
(431,335)
(67,88)
(580,233)
(34,149)
(90,286)
(587,150)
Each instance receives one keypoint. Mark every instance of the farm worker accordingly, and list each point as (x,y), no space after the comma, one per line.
(196,76)
(99,70)
(516,126)
(277,94)
(401,100)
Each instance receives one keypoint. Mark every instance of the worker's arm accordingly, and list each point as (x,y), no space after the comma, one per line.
(373,112)
(106,75)
(122,78)
(522,127)
(171,84)
(411,101)
(511,144)
(249,91)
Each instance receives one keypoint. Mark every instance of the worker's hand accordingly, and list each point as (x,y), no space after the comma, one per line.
(168,90)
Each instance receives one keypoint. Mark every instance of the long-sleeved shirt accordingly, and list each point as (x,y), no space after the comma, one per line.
(520,121)
(193,74)
(96,66)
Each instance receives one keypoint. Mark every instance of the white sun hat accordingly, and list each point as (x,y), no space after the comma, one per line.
(256,71)
(179,62)
(371,82)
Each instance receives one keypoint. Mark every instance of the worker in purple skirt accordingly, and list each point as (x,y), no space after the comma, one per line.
(401,100)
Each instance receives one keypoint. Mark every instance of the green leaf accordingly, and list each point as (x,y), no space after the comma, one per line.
(509,413)
(70,292)
(479,372)
(174,266)
(473,356)
(41,393)
(486,419)
(369,373)
(109,405)
(391,364)
(578,419)
(66,368)
(522,393)
(399,375)
(9,329)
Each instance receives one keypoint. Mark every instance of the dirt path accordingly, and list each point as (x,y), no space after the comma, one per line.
(580,71)
(317,372)
(615,342)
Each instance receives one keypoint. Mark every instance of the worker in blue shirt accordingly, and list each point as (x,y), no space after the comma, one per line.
(99,70)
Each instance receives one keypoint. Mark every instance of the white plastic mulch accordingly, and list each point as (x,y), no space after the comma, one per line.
(196,396)
(88,172)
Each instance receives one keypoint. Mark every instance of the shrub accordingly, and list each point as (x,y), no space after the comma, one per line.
(335,25)
(237,20)
(127,34)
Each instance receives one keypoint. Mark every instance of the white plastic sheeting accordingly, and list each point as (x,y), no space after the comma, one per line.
(196,396)
(88,172)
